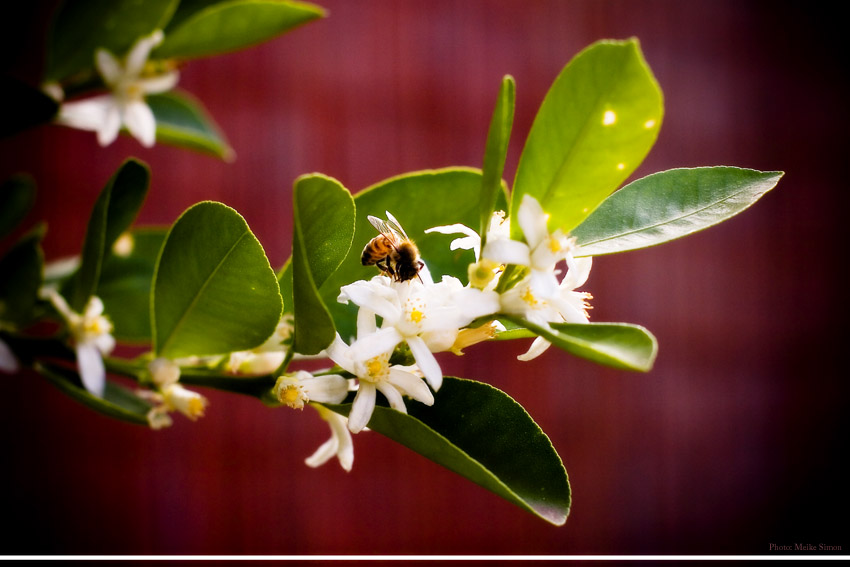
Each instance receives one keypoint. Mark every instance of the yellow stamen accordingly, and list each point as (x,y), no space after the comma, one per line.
(416,316)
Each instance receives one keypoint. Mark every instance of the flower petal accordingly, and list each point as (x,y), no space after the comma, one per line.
(507,252)
(109,67)
(138,55)
(323,454)
(411,385)
(111,125)
(538,347)
(92,371)
(338,351)
(532,220)
(362,408)
(393,396)
(89,114)
(8,362)
(329,389)
(159,83)
(140,121)
(426,362)
(374,295)
(378,343)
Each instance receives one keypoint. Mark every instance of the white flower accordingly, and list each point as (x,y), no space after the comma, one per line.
(540,252)
(426,316)
(368,358)
(339,444)
(295,390)
(8,362)
(566,305)
(172,396)
(92,336)
(125,104)
(482,273)
(267,357)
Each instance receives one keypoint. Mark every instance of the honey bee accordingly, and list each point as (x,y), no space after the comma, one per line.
(392,251)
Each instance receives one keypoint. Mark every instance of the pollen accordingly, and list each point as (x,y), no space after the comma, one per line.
(416,316)
(528,297)
(377,368)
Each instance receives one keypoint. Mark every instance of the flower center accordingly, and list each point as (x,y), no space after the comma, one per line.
(377,368)
(528,296)
(293,396)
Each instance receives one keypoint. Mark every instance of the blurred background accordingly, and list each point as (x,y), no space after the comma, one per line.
(731,443)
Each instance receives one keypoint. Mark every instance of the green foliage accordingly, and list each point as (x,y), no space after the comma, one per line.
(21,269)
(79,28)
(117,402)
(114,211)
(619,345)
(182,121)
(482,434)
(17,195)
(125,286)
(211,28)
(669,205)
(214,291)
(323,215)
(495,152)
(595,126)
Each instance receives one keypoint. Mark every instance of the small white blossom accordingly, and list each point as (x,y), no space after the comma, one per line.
(8,362)
(92,335)
(125,103)
(368,358)
(426,316)
(267,357)
(295,390)
(339,444)
(172,396)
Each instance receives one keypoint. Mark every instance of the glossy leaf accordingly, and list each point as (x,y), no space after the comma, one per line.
(114,211)
(27,107)
(125,285)
(17,195)
(669,205)
(117,402)
(222,27)
(182,121)
(214,291)
(495,152)
(597,123)
(79,28)
(482,434)
(323,225)
(20,278)
(419,200)
(619,345)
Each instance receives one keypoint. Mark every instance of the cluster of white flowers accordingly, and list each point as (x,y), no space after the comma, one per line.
(433,317)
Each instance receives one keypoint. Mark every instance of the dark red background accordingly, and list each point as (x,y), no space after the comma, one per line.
(731,443)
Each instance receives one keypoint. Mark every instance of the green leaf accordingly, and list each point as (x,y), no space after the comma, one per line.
(619,345)
(597,123)
(214,291)
(17,195)
(495,152)
(182,121)
(482,434)
(222,27)
(125,285)
(669,205)
(21,270)
(419,200)
(25,107)
(323,226)
(114,211)
(79,28)
(117,402)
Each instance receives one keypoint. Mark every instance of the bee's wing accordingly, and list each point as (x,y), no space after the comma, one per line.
(393,223)
(379,225)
